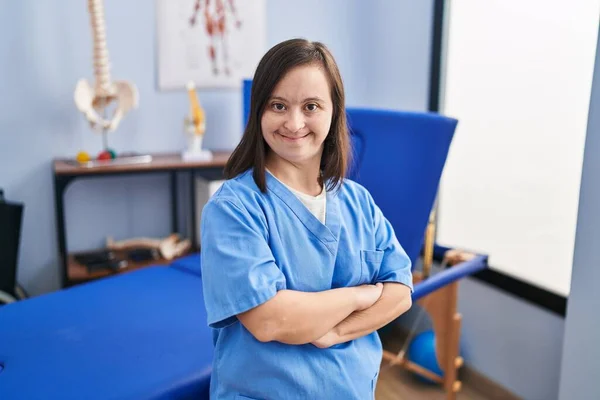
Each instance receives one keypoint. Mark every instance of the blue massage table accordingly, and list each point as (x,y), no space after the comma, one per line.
(139,335)
(144,335)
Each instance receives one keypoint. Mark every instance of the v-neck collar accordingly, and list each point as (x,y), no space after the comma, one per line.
(327,233)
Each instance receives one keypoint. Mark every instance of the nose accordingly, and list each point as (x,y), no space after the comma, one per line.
(294,121)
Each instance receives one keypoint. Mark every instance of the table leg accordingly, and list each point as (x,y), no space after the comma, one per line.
(174,202)
(194,222)
(60,185)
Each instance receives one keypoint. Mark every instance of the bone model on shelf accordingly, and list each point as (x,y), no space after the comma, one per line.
(197,118)
(169,247)
(195,127)
(94,100)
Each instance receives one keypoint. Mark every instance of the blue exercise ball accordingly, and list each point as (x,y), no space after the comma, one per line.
(421,351)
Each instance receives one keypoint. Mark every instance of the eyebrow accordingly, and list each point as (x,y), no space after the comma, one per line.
(317,99)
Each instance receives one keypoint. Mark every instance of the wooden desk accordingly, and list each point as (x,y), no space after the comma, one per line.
(68,170)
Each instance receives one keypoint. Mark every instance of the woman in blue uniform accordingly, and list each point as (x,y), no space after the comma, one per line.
(299,266)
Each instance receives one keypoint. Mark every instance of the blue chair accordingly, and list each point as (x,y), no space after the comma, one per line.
(399,157)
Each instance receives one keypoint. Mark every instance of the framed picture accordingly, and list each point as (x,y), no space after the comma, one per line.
(214,43)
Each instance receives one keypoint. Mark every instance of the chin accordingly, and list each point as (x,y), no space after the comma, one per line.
(294,157)
(300,158)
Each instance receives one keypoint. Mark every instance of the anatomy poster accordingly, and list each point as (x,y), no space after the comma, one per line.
(215,43)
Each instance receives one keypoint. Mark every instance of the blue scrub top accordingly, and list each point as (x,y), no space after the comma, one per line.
(254,244)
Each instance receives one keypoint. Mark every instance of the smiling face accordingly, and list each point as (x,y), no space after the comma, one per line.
(297,117)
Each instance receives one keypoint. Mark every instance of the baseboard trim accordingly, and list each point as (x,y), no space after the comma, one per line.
(484,385)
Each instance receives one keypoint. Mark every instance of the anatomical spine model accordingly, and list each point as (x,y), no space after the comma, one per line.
(93,100)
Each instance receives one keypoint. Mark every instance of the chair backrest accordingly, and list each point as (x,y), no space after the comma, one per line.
(399,157)
(10,237)
(246,95)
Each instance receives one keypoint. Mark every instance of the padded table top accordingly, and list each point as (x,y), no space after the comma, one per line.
(189,263)
(139,335)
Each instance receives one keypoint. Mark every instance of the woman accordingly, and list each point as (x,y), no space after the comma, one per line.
(299,266)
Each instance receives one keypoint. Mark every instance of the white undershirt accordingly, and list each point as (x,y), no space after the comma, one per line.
(315,204)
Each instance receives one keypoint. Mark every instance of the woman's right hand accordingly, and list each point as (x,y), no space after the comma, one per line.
(367,295)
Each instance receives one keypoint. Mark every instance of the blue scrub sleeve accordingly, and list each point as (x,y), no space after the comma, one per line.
(238,267)
(396,265)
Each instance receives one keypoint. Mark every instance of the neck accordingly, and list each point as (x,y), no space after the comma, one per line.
(301,177)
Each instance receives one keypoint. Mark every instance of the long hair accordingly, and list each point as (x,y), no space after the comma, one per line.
(252,150)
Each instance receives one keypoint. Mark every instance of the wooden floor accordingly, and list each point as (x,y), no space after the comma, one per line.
(395,383)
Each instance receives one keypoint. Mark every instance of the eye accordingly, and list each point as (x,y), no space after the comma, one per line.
(278,106)
(312,107)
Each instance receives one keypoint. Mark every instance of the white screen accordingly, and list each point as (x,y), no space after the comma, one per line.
(517,76)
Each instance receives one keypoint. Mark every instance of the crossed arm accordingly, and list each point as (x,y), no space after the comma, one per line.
(329,317)
(395,300)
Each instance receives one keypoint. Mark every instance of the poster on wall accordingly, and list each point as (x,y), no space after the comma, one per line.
(215,43)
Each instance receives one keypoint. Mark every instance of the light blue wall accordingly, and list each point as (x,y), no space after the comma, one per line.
(581,362)
(513,342)
(381,46)
(49,47)
(394,41)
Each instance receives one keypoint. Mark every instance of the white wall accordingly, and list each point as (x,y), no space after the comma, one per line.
(513,342)
(518,77)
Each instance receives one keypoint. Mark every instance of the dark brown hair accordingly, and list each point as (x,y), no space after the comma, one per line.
(252,150)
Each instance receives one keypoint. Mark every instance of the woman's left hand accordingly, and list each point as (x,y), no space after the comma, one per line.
(327,340)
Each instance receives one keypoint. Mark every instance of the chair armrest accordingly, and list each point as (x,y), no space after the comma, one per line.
(449,275)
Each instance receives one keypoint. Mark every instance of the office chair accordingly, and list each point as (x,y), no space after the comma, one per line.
(10,236)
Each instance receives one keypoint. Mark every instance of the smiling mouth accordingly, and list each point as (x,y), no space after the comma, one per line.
(294,138)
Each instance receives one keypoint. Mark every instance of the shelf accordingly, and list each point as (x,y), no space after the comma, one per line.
(159,162)
(68,170)
(78,273)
